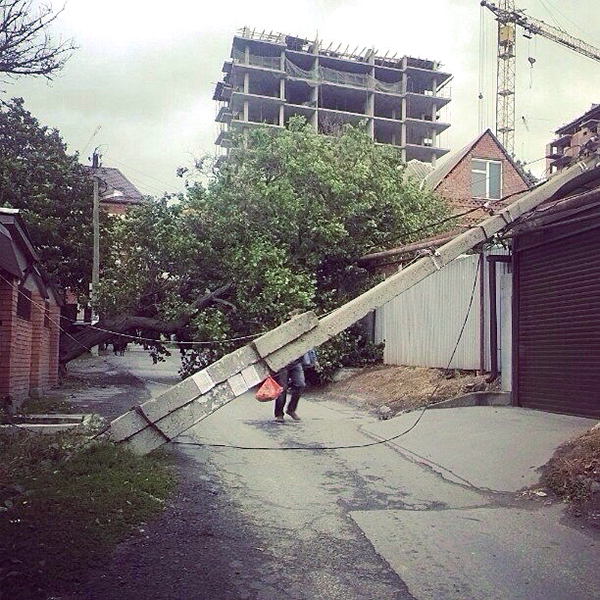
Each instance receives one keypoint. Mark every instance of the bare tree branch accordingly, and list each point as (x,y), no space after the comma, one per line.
(26,47)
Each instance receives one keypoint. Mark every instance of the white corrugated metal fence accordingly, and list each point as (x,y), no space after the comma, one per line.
(421,326)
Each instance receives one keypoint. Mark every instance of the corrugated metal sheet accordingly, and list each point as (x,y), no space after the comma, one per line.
(558,328)
(421,326)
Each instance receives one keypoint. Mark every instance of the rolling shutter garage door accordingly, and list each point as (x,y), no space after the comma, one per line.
(558,329)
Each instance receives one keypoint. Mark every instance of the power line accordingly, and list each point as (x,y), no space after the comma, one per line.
(378,442)
(43,310)
(558,25)
(140,172)
(176,343)
(252,336)
(570,21)
(299,448)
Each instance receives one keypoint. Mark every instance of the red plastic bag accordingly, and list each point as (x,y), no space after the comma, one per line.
(269,390)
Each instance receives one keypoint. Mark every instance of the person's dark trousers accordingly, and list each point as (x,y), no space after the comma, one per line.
(293,374)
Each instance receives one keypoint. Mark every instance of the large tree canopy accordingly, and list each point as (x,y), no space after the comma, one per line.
(278,226)
(53,192)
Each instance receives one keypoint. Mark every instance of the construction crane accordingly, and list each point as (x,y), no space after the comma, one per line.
(508,18)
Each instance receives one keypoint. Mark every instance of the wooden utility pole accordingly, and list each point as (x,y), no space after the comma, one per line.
(96,222)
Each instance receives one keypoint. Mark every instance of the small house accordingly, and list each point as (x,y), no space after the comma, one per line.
(29,316)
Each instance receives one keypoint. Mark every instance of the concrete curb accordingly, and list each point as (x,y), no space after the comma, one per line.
(476,399)
(50,423)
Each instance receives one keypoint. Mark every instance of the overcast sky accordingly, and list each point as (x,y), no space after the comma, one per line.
(145,70)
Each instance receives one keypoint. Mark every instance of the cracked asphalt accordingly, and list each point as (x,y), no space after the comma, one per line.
(310,524)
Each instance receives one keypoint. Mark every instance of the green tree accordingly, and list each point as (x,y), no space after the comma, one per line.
(52,191)
(289,215)
(279,226)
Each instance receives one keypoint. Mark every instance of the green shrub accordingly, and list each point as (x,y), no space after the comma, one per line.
(348,349)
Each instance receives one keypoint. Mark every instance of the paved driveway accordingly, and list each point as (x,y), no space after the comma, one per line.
(434,515)
(439,506)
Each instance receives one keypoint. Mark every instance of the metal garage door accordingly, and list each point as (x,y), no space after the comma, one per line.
(558,321)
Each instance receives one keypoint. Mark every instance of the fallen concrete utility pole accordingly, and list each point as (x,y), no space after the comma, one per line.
(159,420)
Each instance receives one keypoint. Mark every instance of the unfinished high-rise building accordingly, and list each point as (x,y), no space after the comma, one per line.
(273,76)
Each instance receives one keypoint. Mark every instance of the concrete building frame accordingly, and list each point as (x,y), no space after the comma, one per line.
(272,77)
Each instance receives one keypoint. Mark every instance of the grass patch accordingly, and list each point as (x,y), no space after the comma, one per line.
(46,405)
(64,506)
(573,473)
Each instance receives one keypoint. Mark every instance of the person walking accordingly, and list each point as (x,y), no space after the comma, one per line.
(291,378)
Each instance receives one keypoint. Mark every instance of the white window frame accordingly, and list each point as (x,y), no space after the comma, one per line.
(485,174)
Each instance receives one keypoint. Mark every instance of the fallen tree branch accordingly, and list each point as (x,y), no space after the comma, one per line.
(72,346)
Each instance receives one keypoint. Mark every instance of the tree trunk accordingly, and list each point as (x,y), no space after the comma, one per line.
(72,346)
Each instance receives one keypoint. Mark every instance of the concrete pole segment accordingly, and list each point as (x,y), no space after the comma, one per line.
(157,421)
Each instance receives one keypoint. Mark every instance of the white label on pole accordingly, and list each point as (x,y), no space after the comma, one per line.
(238,385)
(204,381)
(251,376)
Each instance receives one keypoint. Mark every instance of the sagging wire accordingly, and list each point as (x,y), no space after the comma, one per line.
(178,344)
(368,444)
(43,311)
(535,212)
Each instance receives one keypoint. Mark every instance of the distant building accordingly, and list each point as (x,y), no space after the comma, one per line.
(272,77)
(117,193)
(571,138)
(29,316)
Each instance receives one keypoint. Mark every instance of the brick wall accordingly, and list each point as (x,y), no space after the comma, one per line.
(53,344)
(456,187)
(115,208)
(20,361)
(40,347)
(8,309)
(28,348)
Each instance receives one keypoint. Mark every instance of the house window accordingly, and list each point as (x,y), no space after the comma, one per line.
(24,304)
(47,314)
(486,179)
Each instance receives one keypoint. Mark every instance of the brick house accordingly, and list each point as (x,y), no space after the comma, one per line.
(479,173)
(117,193)
(482,171)
(29,317)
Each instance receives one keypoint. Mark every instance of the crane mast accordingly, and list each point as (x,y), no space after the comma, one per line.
(508,18)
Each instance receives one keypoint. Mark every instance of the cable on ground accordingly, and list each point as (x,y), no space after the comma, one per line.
(368,444)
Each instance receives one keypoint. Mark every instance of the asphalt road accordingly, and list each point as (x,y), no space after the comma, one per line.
(310,524)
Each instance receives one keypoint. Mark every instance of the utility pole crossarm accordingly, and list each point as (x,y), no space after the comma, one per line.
(539,27)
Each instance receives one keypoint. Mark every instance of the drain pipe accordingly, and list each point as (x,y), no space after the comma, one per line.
(493,259)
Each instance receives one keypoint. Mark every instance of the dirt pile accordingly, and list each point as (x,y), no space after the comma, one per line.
(403,388)
(573,473)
